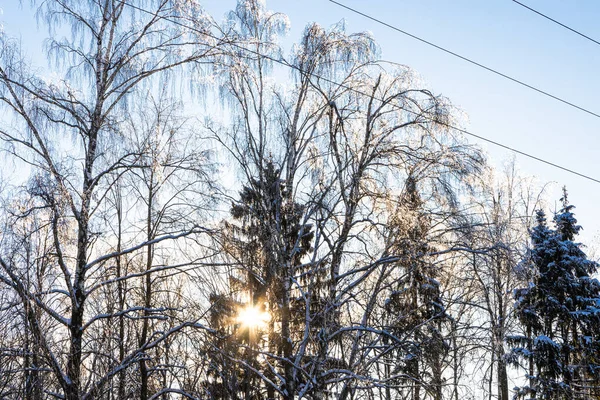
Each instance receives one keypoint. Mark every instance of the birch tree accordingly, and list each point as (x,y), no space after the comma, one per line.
(502,214)
(68,132)
(343,137)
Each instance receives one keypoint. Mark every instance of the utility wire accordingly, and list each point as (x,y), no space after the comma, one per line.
(288,65)
(557,22)
(494,71)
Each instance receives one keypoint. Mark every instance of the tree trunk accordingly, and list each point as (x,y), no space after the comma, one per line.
(74,357)
(502,380)
(121,295)
(289,387)
(529,347)
(144,390)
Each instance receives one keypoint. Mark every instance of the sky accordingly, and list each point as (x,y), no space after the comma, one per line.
(497,33)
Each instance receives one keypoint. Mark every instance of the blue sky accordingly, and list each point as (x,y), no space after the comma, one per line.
(497,33)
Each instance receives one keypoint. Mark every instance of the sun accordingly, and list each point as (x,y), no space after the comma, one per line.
(252,317)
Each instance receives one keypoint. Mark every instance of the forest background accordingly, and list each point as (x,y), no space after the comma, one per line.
(191,210)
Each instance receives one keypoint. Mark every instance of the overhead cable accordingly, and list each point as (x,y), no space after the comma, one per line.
(288,65)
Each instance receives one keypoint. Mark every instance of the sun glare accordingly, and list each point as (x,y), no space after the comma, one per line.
(252,317)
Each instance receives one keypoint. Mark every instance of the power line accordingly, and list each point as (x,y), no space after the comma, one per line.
(557,22)
(494,71)
(286,64)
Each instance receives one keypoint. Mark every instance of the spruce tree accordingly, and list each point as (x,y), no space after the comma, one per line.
(415,308)
(559,312)
(268,237)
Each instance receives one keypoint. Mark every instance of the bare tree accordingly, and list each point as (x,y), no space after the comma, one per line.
(501,214)
(68,132)
(27,247)
(342,141)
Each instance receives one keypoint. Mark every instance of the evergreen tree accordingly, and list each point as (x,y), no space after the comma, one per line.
(415,308)
(224,377)
(268,238)
(559,312)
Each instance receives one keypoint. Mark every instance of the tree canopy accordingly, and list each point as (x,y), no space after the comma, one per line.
(193,223)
